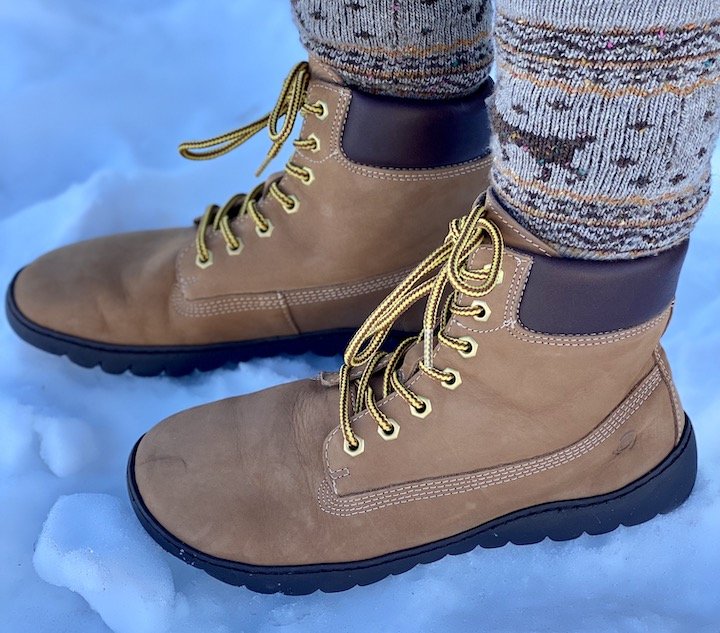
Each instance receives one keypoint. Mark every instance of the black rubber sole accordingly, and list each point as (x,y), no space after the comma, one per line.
(658,492)
(172,360)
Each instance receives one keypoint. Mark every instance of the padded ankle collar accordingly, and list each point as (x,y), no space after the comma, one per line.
(389,132)
(572,296)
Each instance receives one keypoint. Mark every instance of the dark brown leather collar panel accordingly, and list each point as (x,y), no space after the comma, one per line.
(573,296)
(415,133)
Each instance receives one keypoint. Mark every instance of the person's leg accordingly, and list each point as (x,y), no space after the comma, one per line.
(606,114)
(407,48)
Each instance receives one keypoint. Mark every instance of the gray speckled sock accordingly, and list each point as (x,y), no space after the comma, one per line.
(429,49)
(605,117)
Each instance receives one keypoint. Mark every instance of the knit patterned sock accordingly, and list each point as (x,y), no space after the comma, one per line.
(427,49)
(605,117)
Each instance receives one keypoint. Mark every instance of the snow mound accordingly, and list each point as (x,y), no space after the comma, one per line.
(91,544)
(17,435)
(66,446)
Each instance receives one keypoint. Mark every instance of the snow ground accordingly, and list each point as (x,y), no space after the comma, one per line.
(93,100)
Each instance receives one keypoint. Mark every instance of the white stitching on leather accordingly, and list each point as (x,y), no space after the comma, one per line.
(588,340)
(366,502)
(287,314)
(271,301)
(678,413)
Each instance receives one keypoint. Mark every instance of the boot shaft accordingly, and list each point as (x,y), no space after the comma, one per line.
(560,345)
(385,177)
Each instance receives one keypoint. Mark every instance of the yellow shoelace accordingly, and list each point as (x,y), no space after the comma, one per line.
(279,123)
(449,265)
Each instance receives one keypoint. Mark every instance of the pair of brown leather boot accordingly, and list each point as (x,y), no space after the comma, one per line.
(529,397)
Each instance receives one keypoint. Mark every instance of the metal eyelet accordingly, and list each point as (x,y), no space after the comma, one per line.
(294,207)
(310,176)
(354,452)
(267,232)
(473,347)
(485,315)
(313,137)
(204,264)
(234,251)
(325,110)
(456,381)
(424,412)
(389,436)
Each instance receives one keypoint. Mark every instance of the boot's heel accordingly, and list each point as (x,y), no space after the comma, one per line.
(670,483)
(659,491)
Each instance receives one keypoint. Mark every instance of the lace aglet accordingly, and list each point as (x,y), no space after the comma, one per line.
(263,165)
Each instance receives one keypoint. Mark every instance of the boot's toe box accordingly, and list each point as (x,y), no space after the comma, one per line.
(237,479)
(113,289)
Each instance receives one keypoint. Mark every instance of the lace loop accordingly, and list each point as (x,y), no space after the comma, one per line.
(445,267)
(219,145)
(290,103)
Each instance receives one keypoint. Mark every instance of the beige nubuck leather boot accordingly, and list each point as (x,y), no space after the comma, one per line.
(295,265)
(536,402)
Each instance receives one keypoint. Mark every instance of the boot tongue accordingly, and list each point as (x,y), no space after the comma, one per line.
(410,363)
(514,235)
(319,71)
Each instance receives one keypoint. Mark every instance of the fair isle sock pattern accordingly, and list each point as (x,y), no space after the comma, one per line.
(424,49)
(605,117)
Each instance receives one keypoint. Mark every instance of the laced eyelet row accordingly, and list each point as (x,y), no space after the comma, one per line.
(424,410)
(279,122)
(232,251)
(453,381)
(449,265)
(310,144)
(484,310)
(265,232)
